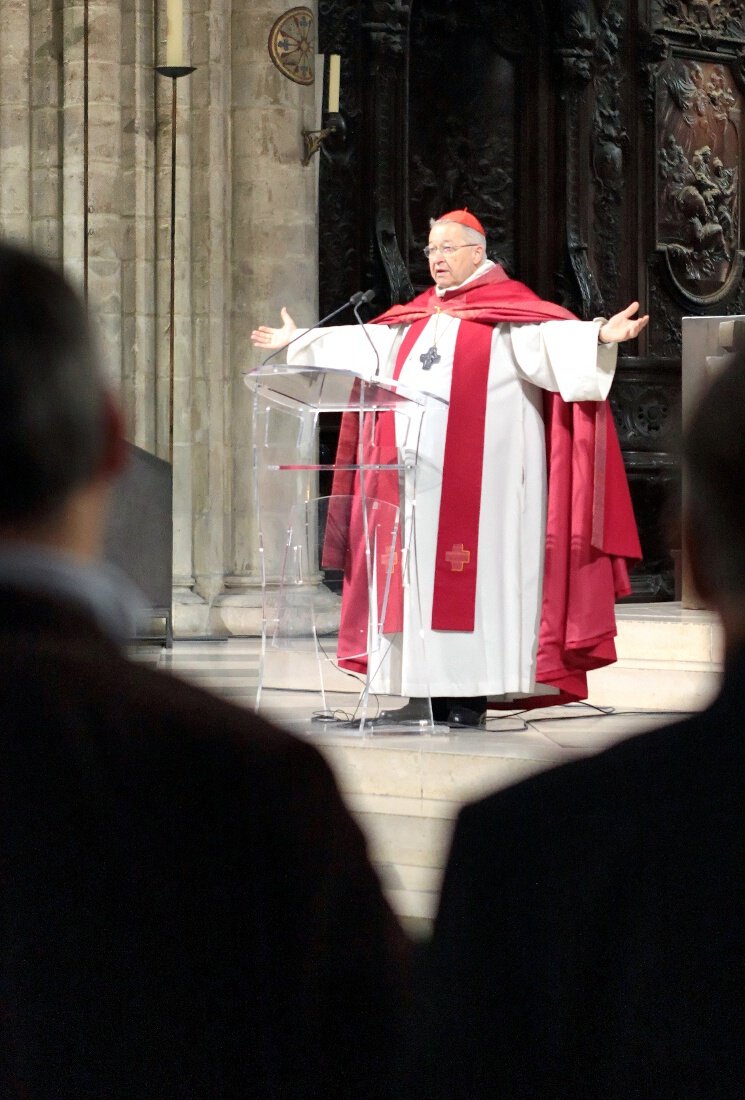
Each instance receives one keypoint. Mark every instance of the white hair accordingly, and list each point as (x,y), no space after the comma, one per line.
(472,235)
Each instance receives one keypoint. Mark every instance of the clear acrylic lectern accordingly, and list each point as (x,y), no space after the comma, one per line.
(334,565)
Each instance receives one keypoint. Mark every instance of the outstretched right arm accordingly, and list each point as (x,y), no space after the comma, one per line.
(272,338)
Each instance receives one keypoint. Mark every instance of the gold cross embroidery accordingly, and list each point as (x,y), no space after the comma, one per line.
(458,557)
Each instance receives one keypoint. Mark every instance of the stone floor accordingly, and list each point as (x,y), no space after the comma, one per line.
(405,790)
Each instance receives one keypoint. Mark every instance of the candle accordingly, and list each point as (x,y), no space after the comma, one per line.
(174,33)
(319,70)
(334,80)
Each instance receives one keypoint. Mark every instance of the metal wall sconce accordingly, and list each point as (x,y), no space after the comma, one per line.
(333,134)
(331,138)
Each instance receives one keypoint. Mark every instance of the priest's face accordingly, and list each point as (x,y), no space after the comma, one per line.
(450,269)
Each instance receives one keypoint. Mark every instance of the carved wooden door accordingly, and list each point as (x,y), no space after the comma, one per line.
(599,141)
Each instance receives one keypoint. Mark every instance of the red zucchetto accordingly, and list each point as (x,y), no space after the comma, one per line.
(463,217)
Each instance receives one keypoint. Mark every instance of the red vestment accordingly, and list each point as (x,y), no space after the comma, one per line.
(590,527)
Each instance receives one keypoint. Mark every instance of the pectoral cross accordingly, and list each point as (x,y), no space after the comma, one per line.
(429,358)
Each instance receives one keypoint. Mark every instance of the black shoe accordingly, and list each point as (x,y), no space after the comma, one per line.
(465,718)
(416,710)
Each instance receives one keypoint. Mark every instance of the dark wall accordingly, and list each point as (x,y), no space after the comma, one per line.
(600,142)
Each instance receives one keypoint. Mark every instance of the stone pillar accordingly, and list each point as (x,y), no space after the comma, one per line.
(99,199)
(138,318)
(274,263)
(45,206)
(15,106)
(73,166)
(211,291)
(108,233)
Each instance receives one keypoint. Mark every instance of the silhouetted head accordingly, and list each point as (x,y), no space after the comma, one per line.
(55,429)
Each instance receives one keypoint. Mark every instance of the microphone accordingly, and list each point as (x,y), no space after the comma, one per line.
(362,296)
(356,300)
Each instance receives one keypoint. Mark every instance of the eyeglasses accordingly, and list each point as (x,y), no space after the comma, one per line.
(445,249)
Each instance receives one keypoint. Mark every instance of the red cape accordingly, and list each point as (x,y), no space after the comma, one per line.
(590,527)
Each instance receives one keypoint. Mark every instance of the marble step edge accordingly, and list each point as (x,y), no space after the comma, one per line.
(409,876)
(667,664)
(412,904)
(416,842)
(411,891)
(674,639)
(442,779)
(402,806)
(628,685)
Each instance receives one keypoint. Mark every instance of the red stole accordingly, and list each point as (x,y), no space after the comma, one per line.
(456,560)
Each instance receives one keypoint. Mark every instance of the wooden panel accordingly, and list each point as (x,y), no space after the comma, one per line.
(577,131)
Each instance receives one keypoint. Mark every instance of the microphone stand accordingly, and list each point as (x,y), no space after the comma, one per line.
(366,297)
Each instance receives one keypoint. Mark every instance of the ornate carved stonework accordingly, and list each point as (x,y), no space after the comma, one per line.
(609,138)
(576,43)
(341,207)
(699,118)
(481,178)
(664,314)
(599,139)
(646,407)
(469,157)
(646,415)
(575,52)
(386,28)
(702,19)
(655,54)
(655,493)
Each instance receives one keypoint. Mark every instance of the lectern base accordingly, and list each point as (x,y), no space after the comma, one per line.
(311,727)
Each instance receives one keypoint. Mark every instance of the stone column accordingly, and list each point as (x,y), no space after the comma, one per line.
(246,240)
(15,146)
(45,206)
(274,263)
(210,304)
(108,237)
(73,165)
(138,319)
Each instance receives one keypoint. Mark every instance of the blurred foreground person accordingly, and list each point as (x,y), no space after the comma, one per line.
(591,935)
(187,908)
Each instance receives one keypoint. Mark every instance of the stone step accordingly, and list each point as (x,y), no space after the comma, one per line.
(667,632)
(636,685)
(413,892)
(668,659)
